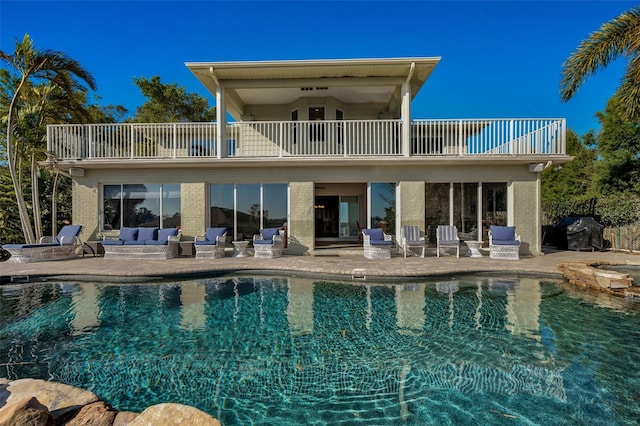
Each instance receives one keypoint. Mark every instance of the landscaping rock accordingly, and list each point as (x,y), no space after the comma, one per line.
(124,418)
(95,414)
(60,399)
(173,414)
(26,411)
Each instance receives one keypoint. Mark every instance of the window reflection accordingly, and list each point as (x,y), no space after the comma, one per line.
(436,208)
(141,205)
(383,206)
(240,204)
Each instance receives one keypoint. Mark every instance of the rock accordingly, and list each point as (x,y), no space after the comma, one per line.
(60,399)
(173,414)
(95,414)
(26,411)
(124,418)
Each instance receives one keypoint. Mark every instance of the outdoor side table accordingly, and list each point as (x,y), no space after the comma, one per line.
(474,248)
(240,248)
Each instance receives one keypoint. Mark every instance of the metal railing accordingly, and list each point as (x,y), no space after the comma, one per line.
(339,138)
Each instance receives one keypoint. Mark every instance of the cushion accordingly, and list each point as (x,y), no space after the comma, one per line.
(155,243)
(506,242)
(204,243)
(374,234)
(67,234)
(212,234)
(21,246)
(381,243)
(263,242)
(268,233)
(128,234)
(164,234)
(112,242)
(133,243)
(145,234)
(507,233)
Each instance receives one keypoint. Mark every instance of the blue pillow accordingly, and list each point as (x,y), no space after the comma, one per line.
(164,234)
(145,234)
(269,233)
(212,234)
(128,234)
(375,234)
(503,232)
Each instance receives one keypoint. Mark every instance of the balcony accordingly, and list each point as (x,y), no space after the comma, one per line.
(308,139)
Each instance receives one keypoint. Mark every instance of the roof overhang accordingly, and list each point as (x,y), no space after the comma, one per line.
(282,82)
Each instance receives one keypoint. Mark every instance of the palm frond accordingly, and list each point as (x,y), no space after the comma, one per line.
(618,37)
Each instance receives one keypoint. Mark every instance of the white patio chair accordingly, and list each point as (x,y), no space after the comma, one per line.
(447,237)
(410,239)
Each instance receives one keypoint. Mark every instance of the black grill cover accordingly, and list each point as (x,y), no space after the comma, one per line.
(579,233)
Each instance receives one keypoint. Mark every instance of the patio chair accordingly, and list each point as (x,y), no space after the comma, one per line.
(211,245)
(377,244)
(504,243)
(267,244)
(63,246)
(447,238)
(410,239)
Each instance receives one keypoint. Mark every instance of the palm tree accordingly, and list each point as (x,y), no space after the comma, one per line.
(27,65)
(619,37)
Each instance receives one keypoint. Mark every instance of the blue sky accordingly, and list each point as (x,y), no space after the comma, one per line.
(499,58)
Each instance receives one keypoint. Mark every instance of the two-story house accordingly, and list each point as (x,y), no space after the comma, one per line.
(323,147)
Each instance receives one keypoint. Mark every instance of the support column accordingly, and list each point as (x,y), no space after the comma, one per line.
(406,119)
(221,119)
(301,224)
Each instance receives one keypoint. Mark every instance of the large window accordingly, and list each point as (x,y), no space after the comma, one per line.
(141,205)
(383,206)
(246,208)
(440,198)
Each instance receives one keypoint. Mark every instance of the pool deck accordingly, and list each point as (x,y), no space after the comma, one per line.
(345,264)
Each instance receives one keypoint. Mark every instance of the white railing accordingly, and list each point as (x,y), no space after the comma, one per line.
(353,138)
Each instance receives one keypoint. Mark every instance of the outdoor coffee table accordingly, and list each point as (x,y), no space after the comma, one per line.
(474,248)
(240,248)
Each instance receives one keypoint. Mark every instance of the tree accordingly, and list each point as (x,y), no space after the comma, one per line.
(168,103)
(619,37)
(618,168)
(26,66)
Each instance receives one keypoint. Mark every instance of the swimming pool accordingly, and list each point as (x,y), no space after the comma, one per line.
(288,351)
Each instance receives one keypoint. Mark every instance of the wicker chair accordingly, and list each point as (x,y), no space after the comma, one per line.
(504,243)
(267,244)
(211,245)
(377,244)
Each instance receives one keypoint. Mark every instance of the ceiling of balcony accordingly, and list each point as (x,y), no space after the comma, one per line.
(283,82)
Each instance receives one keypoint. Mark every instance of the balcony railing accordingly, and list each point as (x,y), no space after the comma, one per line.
(353,138)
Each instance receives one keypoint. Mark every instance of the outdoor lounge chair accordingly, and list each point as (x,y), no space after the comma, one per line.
(410,239)
(212,244)
(63,246)
(504,243)
(377,244)
(267,244)
(447,237)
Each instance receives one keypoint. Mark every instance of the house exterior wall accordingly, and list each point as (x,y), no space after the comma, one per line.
(411,197)
(302,180)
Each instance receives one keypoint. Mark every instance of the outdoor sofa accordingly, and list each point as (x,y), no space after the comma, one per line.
(63,246)
(142,243)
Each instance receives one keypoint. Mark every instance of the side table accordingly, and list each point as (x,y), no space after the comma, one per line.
(474,248)
(240,248)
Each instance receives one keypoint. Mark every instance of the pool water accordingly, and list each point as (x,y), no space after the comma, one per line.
(298,351)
